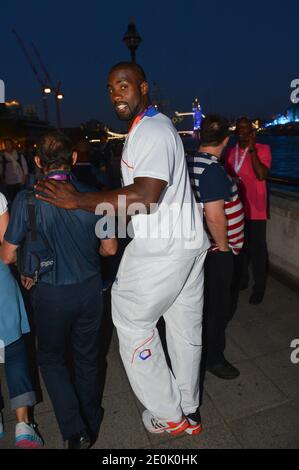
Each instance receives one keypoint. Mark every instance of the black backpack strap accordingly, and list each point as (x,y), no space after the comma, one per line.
(31,214)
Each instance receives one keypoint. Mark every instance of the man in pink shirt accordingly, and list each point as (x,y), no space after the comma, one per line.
(249,162)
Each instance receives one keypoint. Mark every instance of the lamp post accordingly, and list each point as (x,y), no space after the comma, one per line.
(58,98)
(45,92)
(132,39)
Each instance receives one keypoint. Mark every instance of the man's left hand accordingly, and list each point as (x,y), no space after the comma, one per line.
(58,193)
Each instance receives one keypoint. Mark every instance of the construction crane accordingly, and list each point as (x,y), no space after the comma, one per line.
(56,89)
(46,84)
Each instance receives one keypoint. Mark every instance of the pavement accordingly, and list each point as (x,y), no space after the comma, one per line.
(258,410)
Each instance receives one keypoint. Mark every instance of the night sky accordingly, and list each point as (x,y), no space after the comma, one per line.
(237,57)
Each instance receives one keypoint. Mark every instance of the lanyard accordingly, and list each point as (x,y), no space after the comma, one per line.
(59,176)
(238,164)
(150,111)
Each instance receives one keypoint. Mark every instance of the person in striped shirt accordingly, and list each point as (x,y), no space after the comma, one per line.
(224,219)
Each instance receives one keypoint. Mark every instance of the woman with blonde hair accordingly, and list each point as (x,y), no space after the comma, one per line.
(13,324)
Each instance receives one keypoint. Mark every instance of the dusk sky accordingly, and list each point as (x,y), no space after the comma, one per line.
(238,58)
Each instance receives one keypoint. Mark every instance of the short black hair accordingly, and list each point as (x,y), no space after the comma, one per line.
(244,119)
(55,150)
(214,130)
(132,66)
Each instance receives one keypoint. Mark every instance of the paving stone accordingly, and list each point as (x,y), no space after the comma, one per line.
(114,343)
(276,428)
(116,378)
(295,403)
(248,394)
(279,368)
(218,437)
(209,413)
(121,427)
(48,427)
(233,352)
(270,326)
(256,338)
(280,302)
(260,409)
(8,441)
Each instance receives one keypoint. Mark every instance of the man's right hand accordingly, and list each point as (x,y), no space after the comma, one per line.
(58,193)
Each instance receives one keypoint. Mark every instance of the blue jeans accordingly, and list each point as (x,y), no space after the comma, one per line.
(18,375)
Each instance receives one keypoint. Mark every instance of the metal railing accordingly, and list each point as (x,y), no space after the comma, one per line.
(284,180)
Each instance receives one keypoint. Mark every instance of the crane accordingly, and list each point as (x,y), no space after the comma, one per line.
(46,84)
(56,89)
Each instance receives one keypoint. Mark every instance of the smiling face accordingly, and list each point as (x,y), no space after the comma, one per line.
(128,92)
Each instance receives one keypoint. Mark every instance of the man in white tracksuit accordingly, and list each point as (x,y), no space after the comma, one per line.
(161,272)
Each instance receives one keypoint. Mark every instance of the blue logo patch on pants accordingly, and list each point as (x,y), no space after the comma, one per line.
(145,354)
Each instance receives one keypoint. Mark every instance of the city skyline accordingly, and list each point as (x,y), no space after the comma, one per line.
(235,62)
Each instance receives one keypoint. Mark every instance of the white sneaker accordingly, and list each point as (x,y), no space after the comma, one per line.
(27,436)
(1,426)
(156,426)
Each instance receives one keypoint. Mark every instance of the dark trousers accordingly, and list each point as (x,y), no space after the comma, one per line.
(70,315)
(254,252)
(219,270)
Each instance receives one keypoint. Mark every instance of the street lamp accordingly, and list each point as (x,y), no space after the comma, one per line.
(46,90)
(59,97)
(132,39)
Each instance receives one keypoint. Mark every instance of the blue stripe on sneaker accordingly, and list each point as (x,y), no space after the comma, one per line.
(27,437)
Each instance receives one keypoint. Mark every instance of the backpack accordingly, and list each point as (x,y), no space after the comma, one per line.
(34,255)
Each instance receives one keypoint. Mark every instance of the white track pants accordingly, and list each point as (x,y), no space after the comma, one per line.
(144,290)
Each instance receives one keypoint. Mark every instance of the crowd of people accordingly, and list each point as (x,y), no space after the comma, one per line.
(198,222)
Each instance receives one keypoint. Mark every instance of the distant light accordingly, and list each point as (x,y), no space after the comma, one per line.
(197,116)
(12,103)
(47,90)
(186,132)
(60,96)
(116,135)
